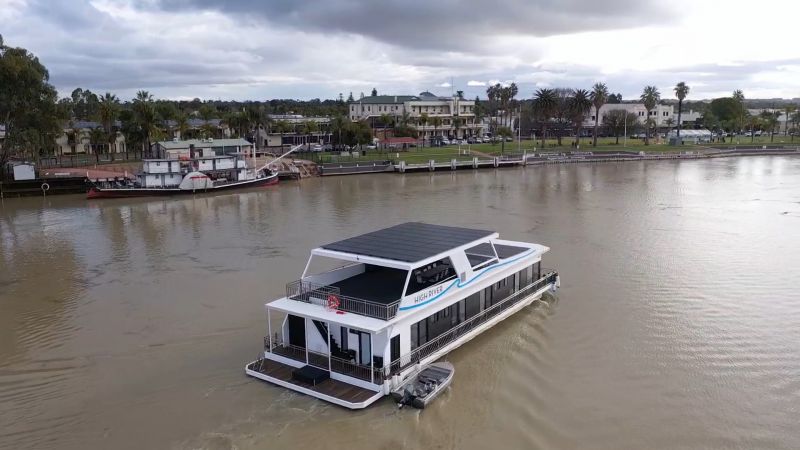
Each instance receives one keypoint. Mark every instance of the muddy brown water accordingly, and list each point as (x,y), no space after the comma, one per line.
(126,324)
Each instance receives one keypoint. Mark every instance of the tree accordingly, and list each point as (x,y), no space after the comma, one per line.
(579,105)
(738,98)
(562,112)
(374,92)
(503,133)
(109,111)
(615,99)
(599,97)
(769,120)
(753,122)
(789,110)
(670,122)
(618,121)
(282,127)
(795,124)
(681,91)
(182,124)
(711,121)
(460,94)
(96,138)
(423,122)
(436,121)
(650,97)
(350,98)
(28,109)
(207,113)
(338,124)
(386,120)
(145,118)
(544,106)
(309,128)
(456,126)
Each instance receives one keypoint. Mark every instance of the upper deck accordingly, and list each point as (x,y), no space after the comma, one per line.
(400,269)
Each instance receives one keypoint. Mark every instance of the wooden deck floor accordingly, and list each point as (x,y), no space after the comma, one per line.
(333,388)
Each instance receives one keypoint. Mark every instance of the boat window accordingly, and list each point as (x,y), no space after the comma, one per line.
(481,255)
(430,275)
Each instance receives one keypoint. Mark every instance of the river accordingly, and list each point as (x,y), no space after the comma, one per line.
(126,324)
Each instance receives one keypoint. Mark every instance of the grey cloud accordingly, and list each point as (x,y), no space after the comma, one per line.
(455,24)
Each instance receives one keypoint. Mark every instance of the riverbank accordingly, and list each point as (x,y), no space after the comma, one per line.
(67,180)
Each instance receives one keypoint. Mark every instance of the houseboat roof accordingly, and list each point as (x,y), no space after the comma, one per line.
(409,242)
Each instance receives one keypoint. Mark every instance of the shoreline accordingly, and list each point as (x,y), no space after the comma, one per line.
(22,188)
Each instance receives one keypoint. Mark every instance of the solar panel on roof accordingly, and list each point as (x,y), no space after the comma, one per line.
(408,242)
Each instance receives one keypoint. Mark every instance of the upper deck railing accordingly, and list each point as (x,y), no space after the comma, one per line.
(330,296)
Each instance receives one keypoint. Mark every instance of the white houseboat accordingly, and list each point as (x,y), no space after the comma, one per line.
(392,301)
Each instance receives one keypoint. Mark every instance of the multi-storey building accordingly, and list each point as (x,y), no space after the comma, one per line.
(457,115)
(661,114)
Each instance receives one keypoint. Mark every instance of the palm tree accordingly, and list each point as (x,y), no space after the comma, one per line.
(309,128)
(182,124)
(544,105)
(109,110)
(436,121)
(670,122)
(681,91)
(753,122)
(579,105)
(423,122)
(770,122)
(650,97)
(738,95)
(789,110)
(599,97)
(338,124)
(457,126)
(385,120)
(145,117)
(96,138)
(282,127)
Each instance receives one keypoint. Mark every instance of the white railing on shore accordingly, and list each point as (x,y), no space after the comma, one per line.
(465,327)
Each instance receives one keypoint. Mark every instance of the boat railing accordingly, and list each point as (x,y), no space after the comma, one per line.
(324,361)
(439,342)
(331,297)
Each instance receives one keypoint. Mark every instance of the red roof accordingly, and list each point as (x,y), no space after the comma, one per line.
(399,140)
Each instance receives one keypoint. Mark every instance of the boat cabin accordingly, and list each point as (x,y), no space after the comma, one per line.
(160,173)
(389,301)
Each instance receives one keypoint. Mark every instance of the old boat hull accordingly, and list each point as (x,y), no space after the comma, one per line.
(98,192)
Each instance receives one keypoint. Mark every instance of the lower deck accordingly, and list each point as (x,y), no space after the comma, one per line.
(281,373)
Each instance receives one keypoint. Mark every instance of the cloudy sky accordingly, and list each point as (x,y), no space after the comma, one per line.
(304,49)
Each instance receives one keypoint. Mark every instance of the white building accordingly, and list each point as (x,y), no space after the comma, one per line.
(176,149)
(77,139)
(456,114)
(660,114)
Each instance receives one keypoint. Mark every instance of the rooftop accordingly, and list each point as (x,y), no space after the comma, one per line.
(199,143)
(375,99)
(408,242)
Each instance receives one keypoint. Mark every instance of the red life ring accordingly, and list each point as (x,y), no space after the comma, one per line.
(333,301)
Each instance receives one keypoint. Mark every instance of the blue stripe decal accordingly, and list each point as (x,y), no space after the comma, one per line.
(458,283)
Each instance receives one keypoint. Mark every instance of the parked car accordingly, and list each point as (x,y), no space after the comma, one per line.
(372,146)
(509,139)
(316,148)
(445,141)
(758,132)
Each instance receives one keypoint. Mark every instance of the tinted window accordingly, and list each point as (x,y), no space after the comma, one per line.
(430,275)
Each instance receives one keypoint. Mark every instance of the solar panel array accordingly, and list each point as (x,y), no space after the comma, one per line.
(408,242)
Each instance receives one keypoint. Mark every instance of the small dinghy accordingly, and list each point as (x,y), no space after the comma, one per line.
(421,388)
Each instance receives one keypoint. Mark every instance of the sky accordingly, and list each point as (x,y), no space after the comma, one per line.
(246,50)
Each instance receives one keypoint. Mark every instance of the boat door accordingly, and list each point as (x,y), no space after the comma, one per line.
(364,348)
(297,331)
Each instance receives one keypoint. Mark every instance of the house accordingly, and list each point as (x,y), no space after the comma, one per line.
(177,149)
(77,138)
(457,115)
